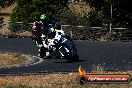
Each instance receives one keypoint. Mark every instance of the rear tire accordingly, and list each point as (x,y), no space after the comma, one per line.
(76,58)
(68,57)
(73,59)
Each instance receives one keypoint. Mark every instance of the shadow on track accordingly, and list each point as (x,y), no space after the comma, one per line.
(69,61)
(66,61)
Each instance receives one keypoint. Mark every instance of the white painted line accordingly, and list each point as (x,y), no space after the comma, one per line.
(40,60)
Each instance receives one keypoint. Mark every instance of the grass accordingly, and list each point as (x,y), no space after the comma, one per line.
(25,34)
(7,58)
(6,85)
(53,80)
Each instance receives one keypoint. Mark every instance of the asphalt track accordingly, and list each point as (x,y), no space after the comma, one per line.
(108,55)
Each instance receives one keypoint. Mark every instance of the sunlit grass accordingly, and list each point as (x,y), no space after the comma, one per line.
(52,80)
(7,58)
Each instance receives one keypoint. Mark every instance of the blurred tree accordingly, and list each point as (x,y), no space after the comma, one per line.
(30,10)
(4,3)
(25,9)
(122,13)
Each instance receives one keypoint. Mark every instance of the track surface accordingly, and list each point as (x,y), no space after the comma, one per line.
(110,55)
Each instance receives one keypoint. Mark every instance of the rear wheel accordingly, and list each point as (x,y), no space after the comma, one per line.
(76,58)
(67,55)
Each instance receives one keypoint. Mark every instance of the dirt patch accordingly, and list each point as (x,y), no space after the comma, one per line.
(25,34)
(7,58)
(8,9)
(80,8)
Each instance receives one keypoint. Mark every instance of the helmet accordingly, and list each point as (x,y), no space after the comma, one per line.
(43,16)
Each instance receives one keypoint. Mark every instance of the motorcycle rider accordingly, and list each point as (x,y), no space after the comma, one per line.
(42,29)
(36,33)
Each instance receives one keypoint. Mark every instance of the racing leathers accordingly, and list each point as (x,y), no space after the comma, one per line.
(36,33)
(44,30)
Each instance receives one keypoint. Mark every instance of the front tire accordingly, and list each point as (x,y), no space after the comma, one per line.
(75,58)
(42,52)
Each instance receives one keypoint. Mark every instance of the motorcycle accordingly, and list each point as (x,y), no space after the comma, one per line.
(61,46)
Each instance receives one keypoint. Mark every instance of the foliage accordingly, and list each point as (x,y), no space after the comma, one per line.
(86,18)
(95,19)
(4,3)
(30,10)
(121,11)
(27,10)
(69,17)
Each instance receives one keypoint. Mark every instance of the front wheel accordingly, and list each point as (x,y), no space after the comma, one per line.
(42,52)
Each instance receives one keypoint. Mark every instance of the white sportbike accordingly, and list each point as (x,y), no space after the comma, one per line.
(60,46)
